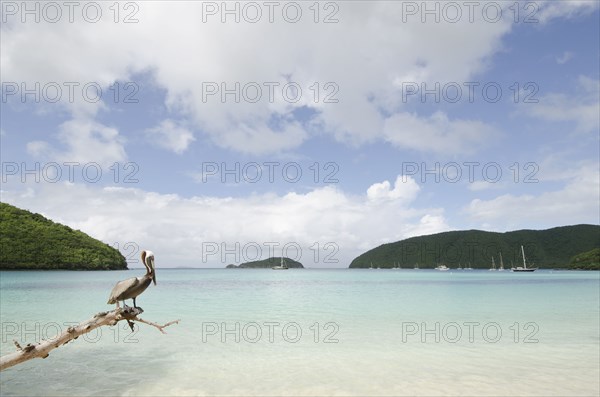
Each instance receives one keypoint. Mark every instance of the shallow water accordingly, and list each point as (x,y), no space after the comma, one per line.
(312,332)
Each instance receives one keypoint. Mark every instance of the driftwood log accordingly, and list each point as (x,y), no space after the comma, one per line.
(42,349)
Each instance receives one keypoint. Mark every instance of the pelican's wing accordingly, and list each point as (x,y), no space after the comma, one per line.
(121,287)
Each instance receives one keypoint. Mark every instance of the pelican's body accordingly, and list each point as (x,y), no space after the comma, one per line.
(132,287)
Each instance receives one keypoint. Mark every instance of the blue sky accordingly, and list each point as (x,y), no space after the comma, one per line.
(362,157)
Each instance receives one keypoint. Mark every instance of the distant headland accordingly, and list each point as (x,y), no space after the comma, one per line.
(31,242)
(568,247)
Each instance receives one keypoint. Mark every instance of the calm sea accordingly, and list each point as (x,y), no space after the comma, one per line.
(312,332)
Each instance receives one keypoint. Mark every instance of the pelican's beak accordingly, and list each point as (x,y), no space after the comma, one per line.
(154,278)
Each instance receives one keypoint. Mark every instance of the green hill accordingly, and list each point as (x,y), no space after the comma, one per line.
(30,241)
(267,263)
(545,248)
(589,260)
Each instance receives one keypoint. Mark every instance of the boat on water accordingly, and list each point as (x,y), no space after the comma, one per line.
(493,268)
(501,269)
(469,268)
(459,267)
(281,266)
(523,268)
(442,268)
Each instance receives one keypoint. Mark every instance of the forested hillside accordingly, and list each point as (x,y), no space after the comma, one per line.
(30,241)
(554,247)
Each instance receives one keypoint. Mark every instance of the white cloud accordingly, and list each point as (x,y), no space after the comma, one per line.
(405,189)
(171,136)
(437,134)
(485,185)
(85,141)
(38,148)
(176,227)
(575,203)
(257,138)
(564,58)
(546,11)
(184,58)
(382,51)
(583,108)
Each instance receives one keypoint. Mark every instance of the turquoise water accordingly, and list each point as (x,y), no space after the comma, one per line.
(312,332)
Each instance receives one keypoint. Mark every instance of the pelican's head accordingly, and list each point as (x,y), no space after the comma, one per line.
(148,261)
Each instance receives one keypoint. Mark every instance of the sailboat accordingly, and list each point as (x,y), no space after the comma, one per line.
(417,266)
(524,268)
(459,267)
(282,266)
(501,264)
(493,268)
(371,267)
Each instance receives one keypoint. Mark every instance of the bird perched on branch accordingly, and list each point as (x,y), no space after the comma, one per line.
(132,287)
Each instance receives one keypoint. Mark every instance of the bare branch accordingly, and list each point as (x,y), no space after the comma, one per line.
(158,326)
(42,349)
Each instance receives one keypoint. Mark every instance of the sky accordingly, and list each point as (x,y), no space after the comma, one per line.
(222,132)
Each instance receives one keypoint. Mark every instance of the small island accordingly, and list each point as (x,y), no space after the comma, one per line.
(32,242)
(267,264)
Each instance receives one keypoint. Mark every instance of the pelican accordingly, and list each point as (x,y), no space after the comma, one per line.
(132,287)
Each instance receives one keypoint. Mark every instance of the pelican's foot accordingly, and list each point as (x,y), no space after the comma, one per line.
(127,310)
(130,323)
